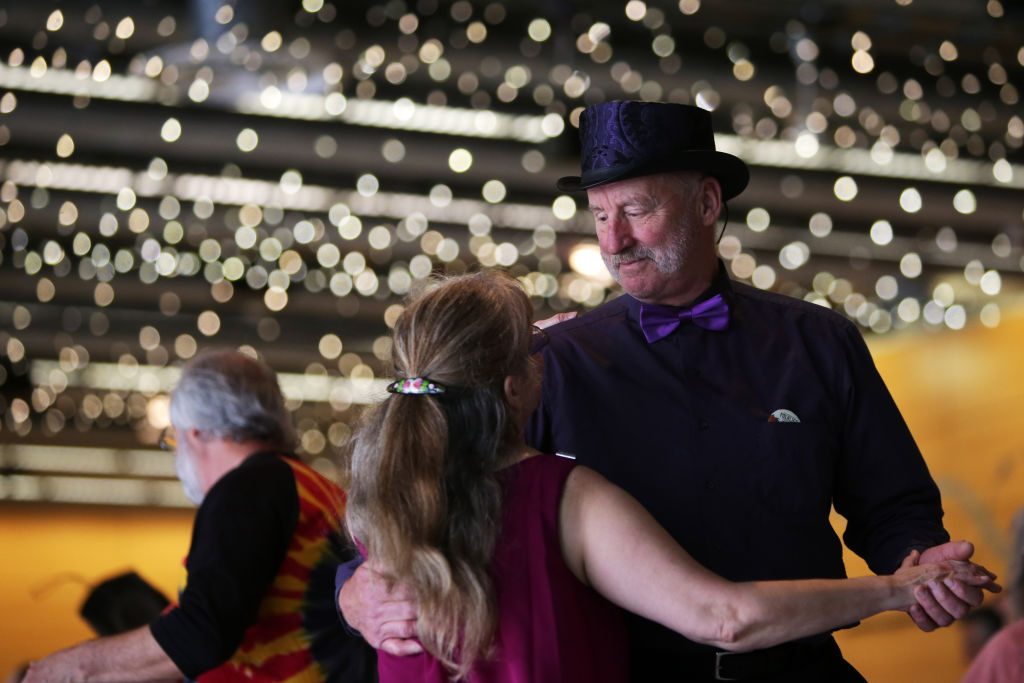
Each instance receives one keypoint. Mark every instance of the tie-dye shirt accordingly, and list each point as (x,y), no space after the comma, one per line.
(258,603)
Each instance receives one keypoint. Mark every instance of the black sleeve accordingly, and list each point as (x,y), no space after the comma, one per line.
(241,535)
(884,488)
(342,574)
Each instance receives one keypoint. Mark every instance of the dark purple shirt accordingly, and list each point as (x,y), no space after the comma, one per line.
(685,425)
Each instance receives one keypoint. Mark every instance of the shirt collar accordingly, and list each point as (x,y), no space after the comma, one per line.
(720,284)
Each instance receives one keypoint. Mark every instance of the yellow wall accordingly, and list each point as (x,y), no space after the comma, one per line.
(38,543)
(962,394)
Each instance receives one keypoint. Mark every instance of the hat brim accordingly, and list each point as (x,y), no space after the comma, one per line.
(730,171)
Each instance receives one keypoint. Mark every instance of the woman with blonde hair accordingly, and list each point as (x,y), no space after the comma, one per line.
(513,556)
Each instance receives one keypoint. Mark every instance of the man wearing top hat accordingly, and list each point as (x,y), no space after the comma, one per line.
(738,417)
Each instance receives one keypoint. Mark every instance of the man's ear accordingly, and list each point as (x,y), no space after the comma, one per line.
(710,200)
(196,439)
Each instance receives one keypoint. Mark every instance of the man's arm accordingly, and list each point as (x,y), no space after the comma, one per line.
(240,538)
(342,574)
(883,488)
(125,658)
(887,494)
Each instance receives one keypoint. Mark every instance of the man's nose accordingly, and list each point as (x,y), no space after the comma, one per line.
(617,235)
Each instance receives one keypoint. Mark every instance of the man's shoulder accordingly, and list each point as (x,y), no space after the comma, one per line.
(314,484)
(262,465)
(259,475)
(790,308)
(607,314)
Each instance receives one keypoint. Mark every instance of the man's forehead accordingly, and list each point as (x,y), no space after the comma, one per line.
(643,190)
(623,193)
(632,199)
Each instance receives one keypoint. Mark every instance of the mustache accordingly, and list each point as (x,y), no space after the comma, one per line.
(635,253)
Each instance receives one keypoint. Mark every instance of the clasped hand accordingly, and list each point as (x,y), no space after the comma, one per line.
(941,602)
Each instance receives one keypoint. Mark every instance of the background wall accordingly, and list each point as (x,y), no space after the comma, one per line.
(39,544)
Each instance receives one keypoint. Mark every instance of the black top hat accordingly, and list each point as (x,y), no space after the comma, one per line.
(628,139)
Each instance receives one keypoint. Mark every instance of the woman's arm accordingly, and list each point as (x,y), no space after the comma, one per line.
(600,525)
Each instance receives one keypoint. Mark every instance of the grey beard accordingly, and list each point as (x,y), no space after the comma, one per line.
(189,477)
(666,260)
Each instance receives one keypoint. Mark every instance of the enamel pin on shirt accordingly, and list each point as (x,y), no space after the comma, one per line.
(783,415)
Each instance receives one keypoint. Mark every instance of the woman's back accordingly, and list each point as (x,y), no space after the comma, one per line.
(551,626)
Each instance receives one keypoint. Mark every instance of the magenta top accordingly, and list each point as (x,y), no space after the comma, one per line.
(551,628)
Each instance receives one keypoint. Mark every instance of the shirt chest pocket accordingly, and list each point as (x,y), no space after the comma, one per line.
(794,467)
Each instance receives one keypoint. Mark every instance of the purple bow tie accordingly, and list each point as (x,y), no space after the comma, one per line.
(657,322)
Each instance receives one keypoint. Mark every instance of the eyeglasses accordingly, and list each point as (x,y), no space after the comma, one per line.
(168,439)
(538,339)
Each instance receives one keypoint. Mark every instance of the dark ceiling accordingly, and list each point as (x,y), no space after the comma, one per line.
(367,101)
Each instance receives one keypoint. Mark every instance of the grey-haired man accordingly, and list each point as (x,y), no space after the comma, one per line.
(258,604)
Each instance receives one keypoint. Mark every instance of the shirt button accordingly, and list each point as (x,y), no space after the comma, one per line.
(709,485)
(704,423)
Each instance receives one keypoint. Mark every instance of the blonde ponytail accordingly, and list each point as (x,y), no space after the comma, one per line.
(424,496)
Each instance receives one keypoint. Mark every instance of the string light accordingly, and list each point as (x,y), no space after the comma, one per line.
(372,207)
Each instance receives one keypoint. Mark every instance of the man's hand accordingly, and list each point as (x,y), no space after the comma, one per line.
(386,618)
(941,603)
(555,319)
